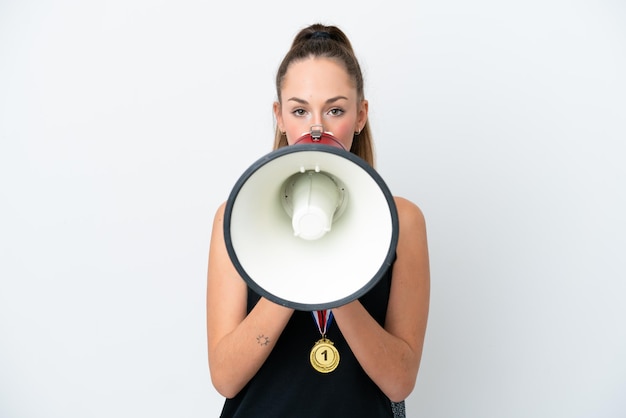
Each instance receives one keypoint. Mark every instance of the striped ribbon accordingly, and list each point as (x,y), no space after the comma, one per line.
(323,320)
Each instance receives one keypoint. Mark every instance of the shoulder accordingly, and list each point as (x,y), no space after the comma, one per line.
(412,237)
(409,213)
(217,232)
(221,208)
(219,212)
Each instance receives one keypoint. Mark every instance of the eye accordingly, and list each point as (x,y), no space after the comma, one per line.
(336,111)
(299,112)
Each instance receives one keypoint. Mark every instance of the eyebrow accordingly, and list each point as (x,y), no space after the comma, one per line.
(329,101)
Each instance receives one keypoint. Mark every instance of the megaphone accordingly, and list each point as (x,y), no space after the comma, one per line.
(311,226)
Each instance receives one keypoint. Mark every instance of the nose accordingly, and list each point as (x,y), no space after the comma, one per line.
(317,119)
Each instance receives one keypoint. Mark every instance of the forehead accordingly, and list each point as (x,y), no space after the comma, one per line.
(313,76)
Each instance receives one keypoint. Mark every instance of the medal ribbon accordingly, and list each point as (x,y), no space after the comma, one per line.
(323,320)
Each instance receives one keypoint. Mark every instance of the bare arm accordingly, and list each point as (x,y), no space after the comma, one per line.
(238,344)
(391,355)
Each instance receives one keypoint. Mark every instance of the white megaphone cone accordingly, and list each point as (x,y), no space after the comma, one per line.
(311,226)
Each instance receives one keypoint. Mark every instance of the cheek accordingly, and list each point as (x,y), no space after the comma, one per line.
(295,129)
(295,132)
(344,132)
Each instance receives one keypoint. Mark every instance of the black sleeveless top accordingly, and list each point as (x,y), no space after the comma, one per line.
(288,386)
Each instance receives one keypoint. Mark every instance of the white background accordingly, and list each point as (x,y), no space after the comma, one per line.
(123,125)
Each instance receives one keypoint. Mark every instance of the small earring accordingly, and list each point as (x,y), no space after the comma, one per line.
(356,133)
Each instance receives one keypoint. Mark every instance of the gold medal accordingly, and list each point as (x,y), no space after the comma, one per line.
(324,356)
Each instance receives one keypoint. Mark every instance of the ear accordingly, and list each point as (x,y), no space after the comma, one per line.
(361,115)
(279,117)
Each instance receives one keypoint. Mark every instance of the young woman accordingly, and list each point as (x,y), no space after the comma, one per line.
(258,350)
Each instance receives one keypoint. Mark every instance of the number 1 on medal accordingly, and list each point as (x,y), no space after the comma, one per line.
(324,356)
